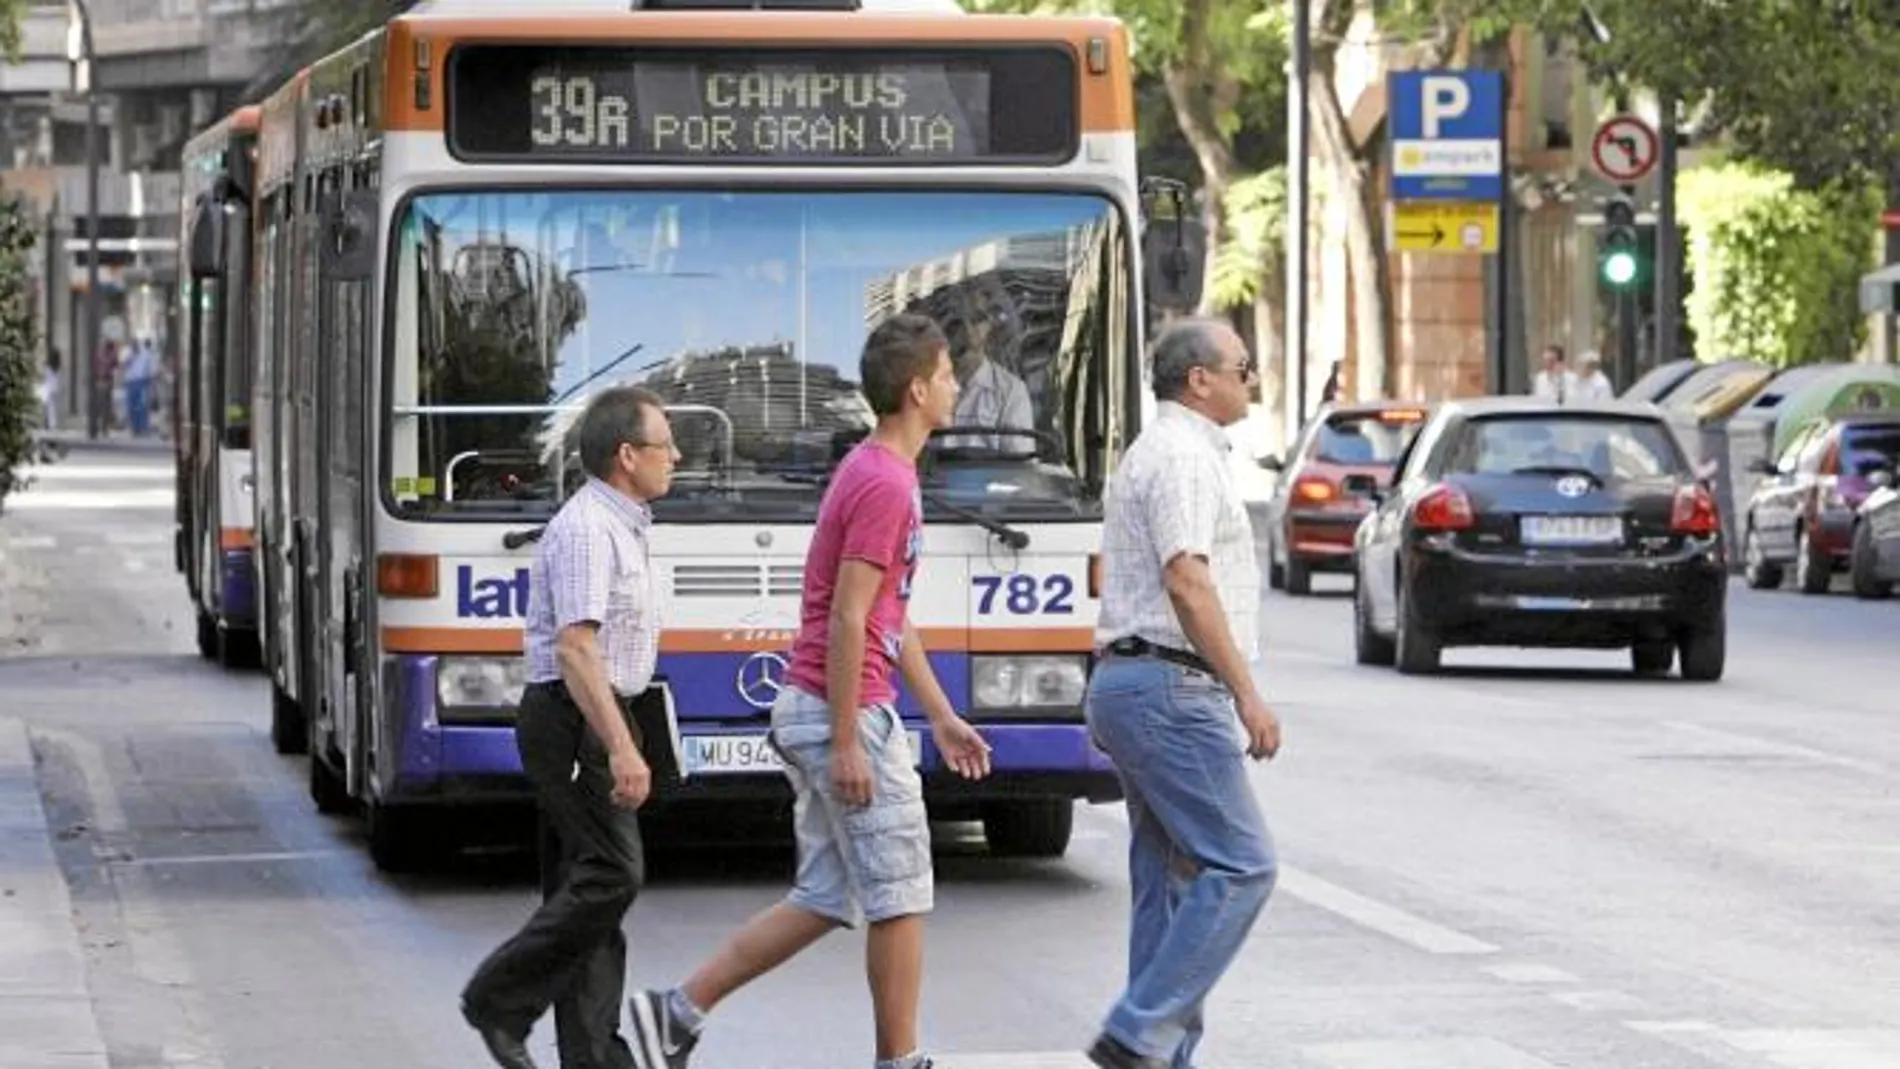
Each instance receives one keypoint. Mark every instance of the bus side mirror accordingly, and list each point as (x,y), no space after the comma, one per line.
(1173,248)
(207,239)
(349,237)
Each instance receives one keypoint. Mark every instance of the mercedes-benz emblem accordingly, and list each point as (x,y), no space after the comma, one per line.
(1573,486)
(760,677)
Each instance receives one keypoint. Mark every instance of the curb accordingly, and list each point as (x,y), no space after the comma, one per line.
(77,442)
(46,1014)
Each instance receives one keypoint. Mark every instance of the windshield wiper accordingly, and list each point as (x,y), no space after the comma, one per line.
(1011,537)
(517,539)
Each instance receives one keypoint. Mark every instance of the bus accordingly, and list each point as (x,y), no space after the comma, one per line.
(472,219)
(212,534)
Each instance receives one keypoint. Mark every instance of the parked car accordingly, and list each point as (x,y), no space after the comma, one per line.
(1517,522)
(1344,453)
(1874,562)
(1803,515)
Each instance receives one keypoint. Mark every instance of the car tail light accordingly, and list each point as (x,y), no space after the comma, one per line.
(1694,512)
(1314,490)
(1443,508)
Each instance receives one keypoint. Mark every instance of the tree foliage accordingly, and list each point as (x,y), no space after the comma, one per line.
(19,370)
(11,12)
(1775,266)
(1811,87)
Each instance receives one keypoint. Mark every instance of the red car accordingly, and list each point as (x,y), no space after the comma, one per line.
(1803,514)
(1343,455)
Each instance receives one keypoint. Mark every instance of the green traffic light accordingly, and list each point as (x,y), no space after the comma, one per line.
(1619,268)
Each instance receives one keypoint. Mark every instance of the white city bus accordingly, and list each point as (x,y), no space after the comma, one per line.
(505,213)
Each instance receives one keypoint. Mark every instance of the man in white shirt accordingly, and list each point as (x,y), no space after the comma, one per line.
(1554,382)
(989,394)
(1174,675)
(1590,383)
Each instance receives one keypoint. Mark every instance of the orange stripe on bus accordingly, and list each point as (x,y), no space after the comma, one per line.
(1107,105)
(237,538)
(724,640)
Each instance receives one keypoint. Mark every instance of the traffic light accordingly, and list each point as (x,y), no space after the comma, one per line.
(1620,256)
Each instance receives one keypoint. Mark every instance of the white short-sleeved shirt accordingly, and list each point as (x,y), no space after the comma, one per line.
(593,566)
(1175,493)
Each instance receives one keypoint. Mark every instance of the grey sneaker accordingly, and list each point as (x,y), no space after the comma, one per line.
(1110,1053)
(660,1041)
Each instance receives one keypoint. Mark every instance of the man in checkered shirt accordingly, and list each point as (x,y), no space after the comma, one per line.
(1163,701)
(592,639)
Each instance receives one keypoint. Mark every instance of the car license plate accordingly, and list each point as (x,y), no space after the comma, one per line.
(1571,530)
(719,755)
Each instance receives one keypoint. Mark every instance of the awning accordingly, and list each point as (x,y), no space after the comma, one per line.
(1880,291)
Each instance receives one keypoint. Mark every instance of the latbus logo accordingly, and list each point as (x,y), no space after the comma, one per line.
(493,598)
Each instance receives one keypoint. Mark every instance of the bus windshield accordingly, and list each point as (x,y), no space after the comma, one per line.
(746,312)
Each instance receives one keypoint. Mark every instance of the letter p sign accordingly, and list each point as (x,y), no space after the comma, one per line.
(1441,100)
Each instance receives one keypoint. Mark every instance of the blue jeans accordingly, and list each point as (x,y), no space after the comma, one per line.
(138,405)
(1200,859)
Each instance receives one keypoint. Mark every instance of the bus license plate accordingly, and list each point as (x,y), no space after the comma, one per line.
(1572,530)
(717,755)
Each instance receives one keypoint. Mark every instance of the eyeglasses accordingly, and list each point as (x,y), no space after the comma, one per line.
(1245,370)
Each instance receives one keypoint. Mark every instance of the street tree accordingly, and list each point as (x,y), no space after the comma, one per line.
(1220,66)
(1810,87)
(19,370)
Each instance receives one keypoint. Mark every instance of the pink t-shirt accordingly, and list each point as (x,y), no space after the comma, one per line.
(873,511)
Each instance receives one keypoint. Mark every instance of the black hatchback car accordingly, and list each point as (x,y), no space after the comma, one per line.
(1517,522)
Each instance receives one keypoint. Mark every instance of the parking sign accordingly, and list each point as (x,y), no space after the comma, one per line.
(1447,134)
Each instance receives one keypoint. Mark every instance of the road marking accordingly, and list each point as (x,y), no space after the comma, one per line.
(226,859)
(158,959)
(1529,973)
(32,542)
(1608,1001)
(1048,1059)
(138,538)
(96,500)
(1386,920)
(1816,1048)
(1671,1028)
(1771,747)
(1452,1052)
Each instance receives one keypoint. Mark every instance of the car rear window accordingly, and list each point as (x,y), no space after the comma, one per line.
(1607,447)
(1366,437)
(1870,449)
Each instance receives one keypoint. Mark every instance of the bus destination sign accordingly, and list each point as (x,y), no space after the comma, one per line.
(534,103)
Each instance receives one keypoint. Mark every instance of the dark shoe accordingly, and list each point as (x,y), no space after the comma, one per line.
(1111,1053)
(509,1050)
(660,1041)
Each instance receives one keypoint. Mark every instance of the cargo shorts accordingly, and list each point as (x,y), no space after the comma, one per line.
(870,861)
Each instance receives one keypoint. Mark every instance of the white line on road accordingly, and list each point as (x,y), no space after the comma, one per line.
(1817,1048)
(1050,1059)
(32,542)
(1771,747)
(229,859)
(1438,1052)
(1528,973)
(99,500)
(1386,920)
(157,957)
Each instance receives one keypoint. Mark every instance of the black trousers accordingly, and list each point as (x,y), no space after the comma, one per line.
(571,955)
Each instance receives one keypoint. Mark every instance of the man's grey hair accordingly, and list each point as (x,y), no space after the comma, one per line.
(1185,344)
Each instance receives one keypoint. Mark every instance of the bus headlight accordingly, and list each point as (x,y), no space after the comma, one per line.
(480,682)
(1039,682)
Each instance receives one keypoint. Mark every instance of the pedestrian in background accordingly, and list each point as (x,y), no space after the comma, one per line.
(1163,701)
(862,832)
(1554,382)
(592,640)
(1590,383)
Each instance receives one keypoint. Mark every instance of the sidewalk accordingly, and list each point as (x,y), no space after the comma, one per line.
(115,441)
(46,1014)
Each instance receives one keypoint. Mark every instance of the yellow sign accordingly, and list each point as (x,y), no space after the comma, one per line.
(1443,226)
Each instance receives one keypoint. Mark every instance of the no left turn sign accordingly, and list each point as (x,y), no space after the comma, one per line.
(1625,148)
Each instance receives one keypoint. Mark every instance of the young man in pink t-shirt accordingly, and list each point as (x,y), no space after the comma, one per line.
(863,836)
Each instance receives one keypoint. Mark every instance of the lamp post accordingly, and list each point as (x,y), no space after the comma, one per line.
(79,53)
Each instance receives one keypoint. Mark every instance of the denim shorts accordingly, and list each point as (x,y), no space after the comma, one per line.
(873,860)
